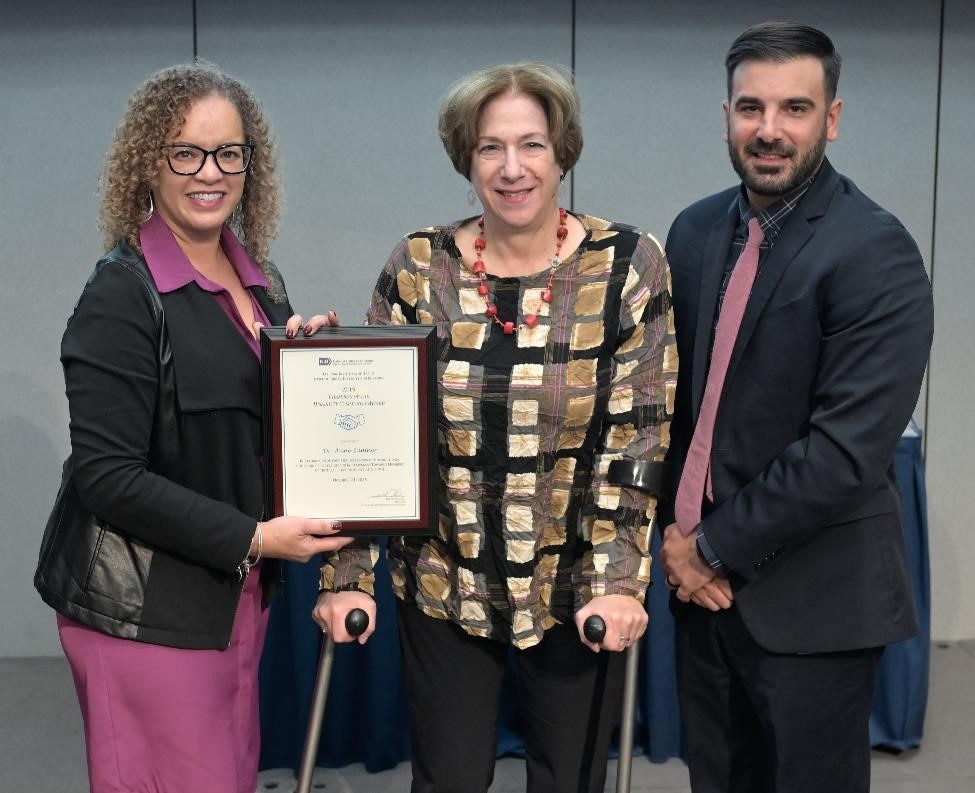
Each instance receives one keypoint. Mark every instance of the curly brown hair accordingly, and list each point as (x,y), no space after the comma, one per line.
(155,113)
(552,86)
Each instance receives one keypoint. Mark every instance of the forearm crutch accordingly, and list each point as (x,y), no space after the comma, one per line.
(646,477)
(594,629)
(356,622)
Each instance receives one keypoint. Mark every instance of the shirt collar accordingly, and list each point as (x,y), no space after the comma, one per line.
(171,270)
(773,217)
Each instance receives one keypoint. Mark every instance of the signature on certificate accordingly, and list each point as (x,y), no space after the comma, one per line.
(392,495)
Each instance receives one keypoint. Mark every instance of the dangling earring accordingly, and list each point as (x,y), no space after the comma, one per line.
(237,217)
(152,207)
(471,198)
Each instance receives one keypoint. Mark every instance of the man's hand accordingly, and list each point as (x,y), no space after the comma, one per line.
(714,596)
(685,570)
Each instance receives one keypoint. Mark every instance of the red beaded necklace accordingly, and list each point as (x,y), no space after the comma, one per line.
(531,320)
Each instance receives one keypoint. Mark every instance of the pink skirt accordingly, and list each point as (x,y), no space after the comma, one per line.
(165,720)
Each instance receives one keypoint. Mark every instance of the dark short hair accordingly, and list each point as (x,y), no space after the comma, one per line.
(785,41)
(552,86)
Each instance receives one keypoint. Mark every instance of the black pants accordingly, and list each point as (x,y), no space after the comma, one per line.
(760,722)
(570,699)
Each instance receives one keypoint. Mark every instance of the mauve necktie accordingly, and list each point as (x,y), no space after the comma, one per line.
(695,481)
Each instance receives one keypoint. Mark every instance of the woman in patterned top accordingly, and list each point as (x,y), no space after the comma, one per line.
(556,356)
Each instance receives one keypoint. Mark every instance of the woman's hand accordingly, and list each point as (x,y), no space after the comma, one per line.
(299,539)
(625,618)
(332,608)
(296,327)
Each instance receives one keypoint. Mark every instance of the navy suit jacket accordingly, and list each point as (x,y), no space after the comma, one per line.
(822,381)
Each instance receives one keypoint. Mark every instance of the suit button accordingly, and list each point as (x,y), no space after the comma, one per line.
(758,566)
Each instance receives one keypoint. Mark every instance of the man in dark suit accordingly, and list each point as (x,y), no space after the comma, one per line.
(783,542)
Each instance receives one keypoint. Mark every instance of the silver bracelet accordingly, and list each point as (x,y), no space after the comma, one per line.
(245,566)
(259,533)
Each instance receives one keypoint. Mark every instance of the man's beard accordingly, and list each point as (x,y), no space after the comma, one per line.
(774,185)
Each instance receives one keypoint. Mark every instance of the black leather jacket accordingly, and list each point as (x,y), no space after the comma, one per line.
(165,404)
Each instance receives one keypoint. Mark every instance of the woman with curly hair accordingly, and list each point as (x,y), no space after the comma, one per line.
(162,610)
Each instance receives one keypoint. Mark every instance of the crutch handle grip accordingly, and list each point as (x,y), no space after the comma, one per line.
(356,622)
(594,629)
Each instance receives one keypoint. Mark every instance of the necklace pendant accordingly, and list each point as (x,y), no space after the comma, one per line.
(531,320)
(508,328)
(547,295)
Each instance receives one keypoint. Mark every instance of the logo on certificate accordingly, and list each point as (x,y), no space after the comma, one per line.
(349,422)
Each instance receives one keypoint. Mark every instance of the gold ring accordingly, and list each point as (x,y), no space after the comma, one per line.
(625,639)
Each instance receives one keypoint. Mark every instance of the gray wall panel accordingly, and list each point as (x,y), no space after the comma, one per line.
(68,70)
(951,430)
(352,90)
(652,79)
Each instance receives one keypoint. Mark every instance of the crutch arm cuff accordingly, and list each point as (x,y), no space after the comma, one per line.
(648,476)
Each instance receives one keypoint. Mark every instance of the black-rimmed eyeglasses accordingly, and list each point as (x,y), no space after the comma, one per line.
(185,159)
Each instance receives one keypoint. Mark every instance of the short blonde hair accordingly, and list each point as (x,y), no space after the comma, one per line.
(552,86)
(157,111)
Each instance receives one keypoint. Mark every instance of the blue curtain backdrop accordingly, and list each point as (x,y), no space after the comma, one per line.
(897,718)
(367,722)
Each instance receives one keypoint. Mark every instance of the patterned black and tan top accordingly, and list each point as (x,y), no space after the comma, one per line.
(530,530)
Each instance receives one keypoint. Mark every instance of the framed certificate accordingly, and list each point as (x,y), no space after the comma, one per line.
(350,427)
